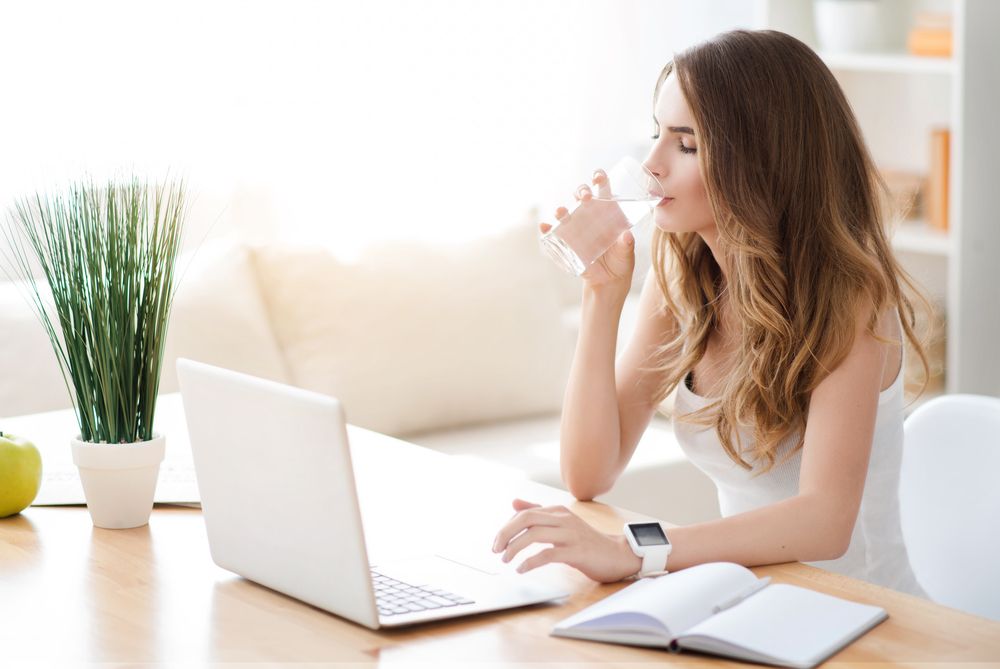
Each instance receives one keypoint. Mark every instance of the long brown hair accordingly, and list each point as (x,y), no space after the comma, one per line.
(800,208)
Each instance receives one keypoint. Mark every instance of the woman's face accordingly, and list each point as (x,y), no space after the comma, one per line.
(674,161)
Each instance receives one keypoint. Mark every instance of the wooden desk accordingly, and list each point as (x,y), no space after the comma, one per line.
(71,593)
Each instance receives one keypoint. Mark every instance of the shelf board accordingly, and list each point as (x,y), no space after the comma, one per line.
(919,237)
(887,63)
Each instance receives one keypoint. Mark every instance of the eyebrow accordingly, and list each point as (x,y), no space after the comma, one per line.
(681,129)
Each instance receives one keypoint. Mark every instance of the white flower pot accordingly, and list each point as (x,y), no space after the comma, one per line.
(119,480)
(851,25)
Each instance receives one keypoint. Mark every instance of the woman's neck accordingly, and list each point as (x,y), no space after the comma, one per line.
(711,239)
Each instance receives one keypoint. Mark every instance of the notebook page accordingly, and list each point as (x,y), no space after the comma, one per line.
(677,601)
(792,625)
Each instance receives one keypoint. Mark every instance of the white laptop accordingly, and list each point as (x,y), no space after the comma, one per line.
(312,547)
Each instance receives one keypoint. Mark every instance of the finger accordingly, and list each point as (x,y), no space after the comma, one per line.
(583,193)
(554,510)
(542,558)
(544,227)
(522,504)
(561,213)
(520,522)
(602,183)
(557,536)
(624,249)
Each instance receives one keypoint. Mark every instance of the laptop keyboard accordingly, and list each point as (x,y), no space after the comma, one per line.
(395,597)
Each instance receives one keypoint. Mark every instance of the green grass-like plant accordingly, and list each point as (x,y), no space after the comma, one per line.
(108,253)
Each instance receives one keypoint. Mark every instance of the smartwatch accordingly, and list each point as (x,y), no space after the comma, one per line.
(648,541)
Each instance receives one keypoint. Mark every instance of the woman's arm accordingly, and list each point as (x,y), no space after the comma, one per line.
(607,405)
(814,525)
(817,523)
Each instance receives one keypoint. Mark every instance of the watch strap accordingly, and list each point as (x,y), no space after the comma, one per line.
(654,561)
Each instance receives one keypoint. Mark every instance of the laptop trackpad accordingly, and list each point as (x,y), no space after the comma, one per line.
(446,567)
(489,564)
(487,561)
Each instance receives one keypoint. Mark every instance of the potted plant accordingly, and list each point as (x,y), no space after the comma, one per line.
(108,254)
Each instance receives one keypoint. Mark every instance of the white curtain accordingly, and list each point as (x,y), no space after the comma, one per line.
(339,122)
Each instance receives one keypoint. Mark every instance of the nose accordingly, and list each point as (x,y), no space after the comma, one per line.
(655,165)
(656,168)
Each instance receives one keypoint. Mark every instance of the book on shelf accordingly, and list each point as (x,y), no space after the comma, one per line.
(937,183)
(723,609)
(931,35)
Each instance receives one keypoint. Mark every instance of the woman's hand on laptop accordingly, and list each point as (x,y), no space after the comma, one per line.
(603,557)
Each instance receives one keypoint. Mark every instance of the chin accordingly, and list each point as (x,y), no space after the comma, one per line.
(669,222)
(673,223)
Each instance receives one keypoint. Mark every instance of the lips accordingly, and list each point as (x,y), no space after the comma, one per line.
(665,201)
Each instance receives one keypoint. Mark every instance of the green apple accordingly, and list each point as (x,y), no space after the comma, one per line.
(20,474)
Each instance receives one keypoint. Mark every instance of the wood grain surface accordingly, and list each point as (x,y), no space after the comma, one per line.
(71,593)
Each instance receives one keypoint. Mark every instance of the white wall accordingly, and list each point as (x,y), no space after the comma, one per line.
(339,122)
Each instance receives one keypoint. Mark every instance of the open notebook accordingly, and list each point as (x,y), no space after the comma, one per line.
(724,609)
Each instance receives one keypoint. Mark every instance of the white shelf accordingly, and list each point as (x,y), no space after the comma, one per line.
(893,63)
(913,93)
(919,237)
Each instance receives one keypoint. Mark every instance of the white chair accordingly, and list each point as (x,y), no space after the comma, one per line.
(949,498)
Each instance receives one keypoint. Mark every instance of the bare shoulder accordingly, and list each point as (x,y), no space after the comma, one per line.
(875,354)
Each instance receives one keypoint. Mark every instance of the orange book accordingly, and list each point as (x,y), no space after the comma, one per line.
(930,42)
(937,187)
(931,35)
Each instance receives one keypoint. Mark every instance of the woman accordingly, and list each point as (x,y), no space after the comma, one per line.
(774,307)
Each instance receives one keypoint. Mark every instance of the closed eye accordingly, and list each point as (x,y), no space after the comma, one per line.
(680,142)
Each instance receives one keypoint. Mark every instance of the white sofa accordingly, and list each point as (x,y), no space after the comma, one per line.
(463,348)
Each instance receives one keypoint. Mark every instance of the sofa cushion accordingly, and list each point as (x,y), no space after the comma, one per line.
(416,336)
(218,317)
(30,381)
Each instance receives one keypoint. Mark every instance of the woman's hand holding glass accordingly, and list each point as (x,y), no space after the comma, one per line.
(615,265)
(594,240)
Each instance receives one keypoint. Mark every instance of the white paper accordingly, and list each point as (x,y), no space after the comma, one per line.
(51,433)
(794,625)
(676,601)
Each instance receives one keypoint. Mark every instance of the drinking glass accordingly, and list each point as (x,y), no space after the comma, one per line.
(588,231)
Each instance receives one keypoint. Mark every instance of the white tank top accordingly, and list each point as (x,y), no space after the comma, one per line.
(876,553)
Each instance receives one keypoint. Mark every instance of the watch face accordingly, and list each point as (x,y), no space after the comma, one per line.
(648,534)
